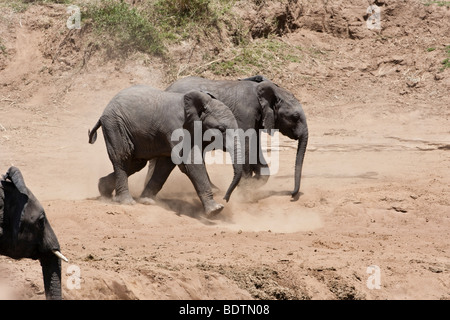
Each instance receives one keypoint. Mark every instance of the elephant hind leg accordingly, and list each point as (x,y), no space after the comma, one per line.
(162,168)
(106,185)
(122,172)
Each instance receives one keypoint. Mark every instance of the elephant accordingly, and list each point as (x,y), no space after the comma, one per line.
(138,125)
(257,103)
(25,231)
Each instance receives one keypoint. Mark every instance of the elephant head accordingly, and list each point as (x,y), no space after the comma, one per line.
(213,114)
(25,231)
(281,110)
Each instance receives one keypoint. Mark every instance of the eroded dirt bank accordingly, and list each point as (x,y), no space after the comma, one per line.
(375,192)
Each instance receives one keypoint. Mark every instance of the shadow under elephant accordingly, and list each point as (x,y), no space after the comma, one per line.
(192,209)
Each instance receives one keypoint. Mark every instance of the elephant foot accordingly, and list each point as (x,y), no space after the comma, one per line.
(128,202)
(213,209)
(146,201)
(125,199)
(106,186)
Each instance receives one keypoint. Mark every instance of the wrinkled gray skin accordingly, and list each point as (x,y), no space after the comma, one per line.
(25,231)
(259,104)
(137,126)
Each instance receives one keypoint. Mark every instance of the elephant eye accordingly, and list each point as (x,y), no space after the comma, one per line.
(41,221)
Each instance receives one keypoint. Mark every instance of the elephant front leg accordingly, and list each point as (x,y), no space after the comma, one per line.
(199,178)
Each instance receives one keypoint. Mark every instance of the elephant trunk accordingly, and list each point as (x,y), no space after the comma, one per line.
(237,165)
(51,263)
(51,270)
(301,149)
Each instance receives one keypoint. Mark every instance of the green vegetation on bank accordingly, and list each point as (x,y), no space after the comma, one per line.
(153,26)
(446,61)
(2,48)
(182,19)
(439,3)
(123,28)
(258,56)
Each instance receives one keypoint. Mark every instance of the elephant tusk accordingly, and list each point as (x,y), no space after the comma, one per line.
(60,255)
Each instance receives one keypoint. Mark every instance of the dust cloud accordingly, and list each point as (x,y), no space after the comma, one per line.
(277,216)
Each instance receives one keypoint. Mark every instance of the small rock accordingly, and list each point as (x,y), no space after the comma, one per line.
(435,270)
(399,209)
(411,83)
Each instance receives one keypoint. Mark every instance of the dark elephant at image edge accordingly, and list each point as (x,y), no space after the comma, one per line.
(137,126)
(257,103)
(25,231)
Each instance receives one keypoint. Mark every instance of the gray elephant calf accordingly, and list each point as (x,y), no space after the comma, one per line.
(138,124)
(26,233)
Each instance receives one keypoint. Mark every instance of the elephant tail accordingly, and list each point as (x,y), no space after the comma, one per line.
(93,133)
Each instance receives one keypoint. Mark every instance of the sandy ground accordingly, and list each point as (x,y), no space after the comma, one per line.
(375,192)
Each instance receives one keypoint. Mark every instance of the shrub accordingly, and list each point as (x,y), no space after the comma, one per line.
(125,28)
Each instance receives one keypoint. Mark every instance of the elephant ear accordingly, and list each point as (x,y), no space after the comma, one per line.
(209,94)
(2,205)
(194,104)
(14,197)
(267,99)
(15,176)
